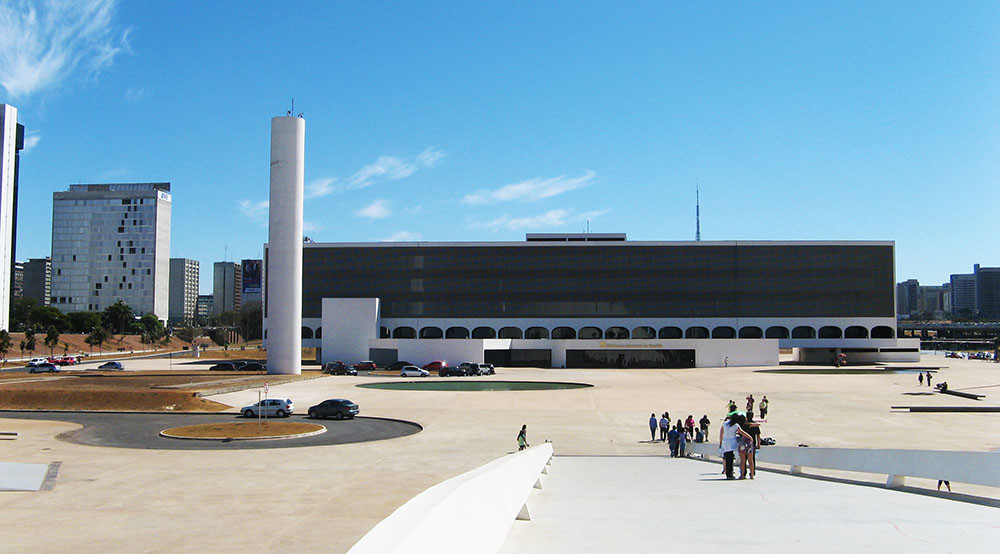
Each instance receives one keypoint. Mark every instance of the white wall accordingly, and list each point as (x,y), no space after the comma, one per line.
(349,325)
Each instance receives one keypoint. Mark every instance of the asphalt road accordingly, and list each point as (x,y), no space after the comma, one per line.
(123,430)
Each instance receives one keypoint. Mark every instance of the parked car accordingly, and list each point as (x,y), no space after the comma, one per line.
(253,366)
(223,366)
(43,367)
(240,364)
(366,365)
(271,407)
(436,365)
(413,371)
(111,366)
(339,368)
(396,366)
(36,361)
(338,408)
(488,369)
(62,360)
(471,368)
(449,371)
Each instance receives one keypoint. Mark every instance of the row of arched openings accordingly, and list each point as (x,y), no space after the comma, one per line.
(641,332)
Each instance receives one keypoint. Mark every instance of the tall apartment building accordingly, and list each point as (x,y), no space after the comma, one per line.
(37,282)
(203,309)
(963,294)
(252,282)
(11,144)
(987,290)
(184,276)
(227,289)
(907,295)
(111,242)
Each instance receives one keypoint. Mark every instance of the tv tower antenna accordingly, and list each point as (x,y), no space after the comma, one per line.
(697,214)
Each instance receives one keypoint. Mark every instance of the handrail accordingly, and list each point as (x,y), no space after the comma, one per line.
(976,468)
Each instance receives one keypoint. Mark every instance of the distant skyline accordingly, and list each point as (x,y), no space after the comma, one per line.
(459,121)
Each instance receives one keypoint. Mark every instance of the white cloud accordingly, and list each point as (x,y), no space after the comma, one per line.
(392,168)
(117,173)
(402,236)
(135,94)
(379,209)
(256,211)
(589,216)
(31,140)
(311,227)
(320,187)
(429,157)
(530,190)
(42,45)
(549,219)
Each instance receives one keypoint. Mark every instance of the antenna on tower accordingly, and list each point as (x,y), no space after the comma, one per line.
(697,214)
(291,111)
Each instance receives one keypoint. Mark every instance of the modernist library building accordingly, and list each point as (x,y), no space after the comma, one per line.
(599,300)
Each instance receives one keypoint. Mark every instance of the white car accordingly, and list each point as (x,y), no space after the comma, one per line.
(413,371)
(37,361)
(272,407)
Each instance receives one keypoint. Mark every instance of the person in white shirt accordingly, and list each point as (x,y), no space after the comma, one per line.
(729,443)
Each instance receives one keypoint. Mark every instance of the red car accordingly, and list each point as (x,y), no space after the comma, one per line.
(367,365)
(436,365)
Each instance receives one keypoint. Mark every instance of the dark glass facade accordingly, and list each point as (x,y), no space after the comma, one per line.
(634,279)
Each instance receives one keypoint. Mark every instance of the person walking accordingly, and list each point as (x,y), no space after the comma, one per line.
(673,437)
(945,483)
(928,378)
(664,427)
(689,425)
(681,439)
(704,423)
(750,402)
(652,427)
(522,438)
(763,407)
(920,379)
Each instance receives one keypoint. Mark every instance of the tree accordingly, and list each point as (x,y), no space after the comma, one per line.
(152,326)
(29,340)
(22,344)
(5,343)
(20,313)
(186,333)
(83,322)
(117,317)
(52,339)
(65,348)
(98,335)
(43,317)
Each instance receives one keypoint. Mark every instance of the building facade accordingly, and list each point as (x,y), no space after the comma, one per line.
(583,300)
(227,287)
(987,290)
(183,303)
(111,242)
(37,281)
(203,308)
(11,144)
(908,297)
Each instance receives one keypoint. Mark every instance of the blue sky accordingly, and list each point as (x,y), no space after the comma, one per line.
(458,121)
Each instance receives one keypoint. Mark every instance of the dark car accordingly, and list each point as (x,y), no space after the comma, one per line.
(449,371)
(115,366)
(338,408)
(339,368)
(240,364)
(253,366)
(224,366)
(396,366)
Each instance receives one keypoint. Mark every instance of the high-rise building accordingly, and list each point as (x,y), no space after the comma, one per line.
(907,294)
(38,280)
(252,282)
(203,309)
(111,242)
(184,276)
(17,281)
(11,143)
(227,288)
(963,294)
(987,290)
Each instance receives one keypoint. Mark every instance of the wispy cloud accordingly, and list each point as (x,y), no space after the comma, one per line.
(31,140)
(135,94)
(311,227)
(401,236)
(530,190)
(591,215)
(320,187)
(116,173)
(429,157)
(549,219)
(379,209)
(392,168)
(42,45)
(256,211)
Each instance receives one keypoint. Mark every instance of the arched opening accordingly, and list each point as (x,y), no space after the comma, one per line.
(404,333)
(456,333)
(307,333)
(431,333)
(510,333)
(536,333)
(829,332)
(616,333)
(564,333)
(319,333)
(883,332)
(777,332)
(855,332)
(751,332)
(643,332)
(589,333)
(696,333)
(383,333)
(484,333)
(671,333)
(265,333)
(803,332)
(723,332)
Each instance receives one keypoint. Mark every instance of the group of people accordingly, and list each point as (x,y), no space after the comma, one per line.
(920,378)
(750,405)
(739,434)
(677,435)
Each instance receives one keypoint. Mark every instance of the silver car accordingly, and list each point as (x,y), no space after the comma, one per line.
(271,407)
(413,371)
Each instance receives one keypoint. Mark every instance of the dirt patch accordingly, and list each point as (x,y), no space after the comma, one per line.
(244,430)
(12,398)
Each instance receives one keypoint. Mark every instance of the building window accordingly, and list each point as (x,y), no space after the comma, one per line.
(431,333)
(776,332)
(404,333)
(307,333)
(696,333)
(319,333)
(484,333)
(564,333)
(510,333)
(643,333)
(723,332)
(616,333)
(536,333)
(856,332)
(829,332)
(803,332)
(670,333)
(457,333)
(589,333)
(883,332)
(751,332)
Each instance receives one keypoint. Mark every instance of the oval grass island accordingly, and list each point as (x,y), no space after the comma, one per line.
(244,430)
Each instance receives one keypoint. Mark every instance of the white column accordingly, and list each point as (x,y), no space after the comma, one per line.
(284,272)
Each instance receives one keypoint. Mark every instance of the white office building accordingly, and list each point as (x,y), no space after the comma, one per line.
(184,275)
(111,242)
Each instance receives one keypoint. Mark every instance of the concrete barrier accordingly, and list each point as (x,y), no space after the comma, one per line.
(466,514)
(976,468)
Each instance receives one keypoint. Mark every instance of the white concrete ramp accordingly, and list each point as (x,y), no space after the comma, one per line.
(22,477)
(646,504)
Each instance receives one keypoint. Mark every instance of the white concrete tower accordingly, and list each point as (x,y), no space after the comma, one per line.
(284,250)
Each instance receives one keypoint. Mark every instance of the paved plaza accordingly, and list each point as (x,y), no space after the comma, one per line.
(327,497)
